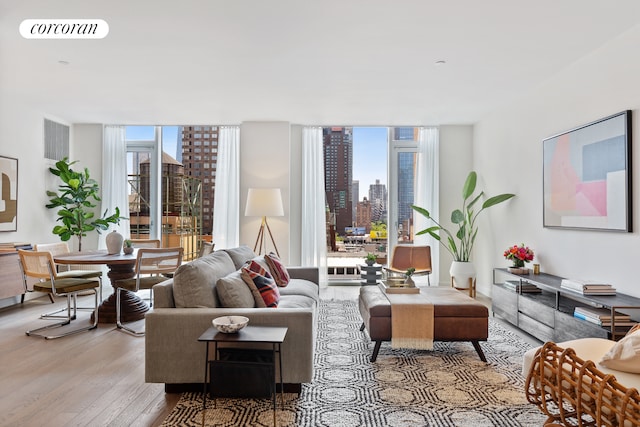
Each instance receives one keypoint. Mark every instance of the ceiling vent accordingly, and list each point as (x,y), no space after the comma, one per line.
(56,140)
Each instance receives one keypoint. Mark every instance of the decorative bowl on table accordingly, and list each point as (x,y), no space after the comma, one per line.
(230,324)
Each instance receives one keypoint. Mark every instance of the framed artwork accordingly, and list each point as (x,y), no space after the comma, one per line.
(9,194)
(587,176)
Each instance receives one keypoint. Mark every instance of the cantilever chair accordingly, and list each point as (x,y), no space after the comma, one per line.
(66,271)
(205,248)
(408,256)
(40,265)
(151,264)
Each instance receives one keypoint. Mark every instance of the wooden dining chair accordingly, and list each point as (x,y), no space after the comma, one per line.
(151,265)
(146,243)
(40,265)
(205,248)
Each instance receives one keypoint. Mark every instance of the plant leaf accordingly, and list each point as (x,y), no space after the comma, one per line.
(469,185)
(496,199)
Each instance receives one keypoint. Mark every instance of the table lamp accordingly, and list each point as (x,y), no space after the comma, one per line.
(264,202)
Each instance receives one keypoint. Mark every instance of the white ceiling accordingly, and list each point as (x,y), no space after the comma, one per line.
(356,62)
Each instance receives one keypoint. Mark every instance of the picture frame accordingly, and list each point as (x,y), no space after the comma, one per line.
(8,194)
(587,176)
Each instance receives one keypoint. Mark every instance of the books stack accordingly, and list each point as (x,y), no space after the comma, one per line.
(522,287)
(587,287)
(602,316)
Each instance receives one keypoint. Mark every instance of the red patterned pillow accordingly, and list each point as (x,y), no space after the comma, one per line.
(264,289)
(279,271)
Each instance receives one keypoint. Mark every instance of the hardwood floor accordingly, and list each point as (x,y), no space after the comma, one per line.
(93,378)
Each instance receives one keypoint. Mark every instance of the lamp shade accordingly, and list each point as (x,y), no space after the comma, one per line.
(264,202)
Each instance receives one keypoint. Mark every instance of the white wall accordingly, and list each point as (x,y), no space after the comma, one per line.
(264,163)
(508,156)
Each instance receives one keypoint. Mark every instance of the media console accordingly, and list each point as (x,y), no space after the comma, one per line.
(548,314)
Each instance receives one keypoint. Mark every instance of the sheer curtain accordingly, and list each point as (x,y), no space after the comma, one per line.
(427,193)
(313,240)
(226,206)
(114,179)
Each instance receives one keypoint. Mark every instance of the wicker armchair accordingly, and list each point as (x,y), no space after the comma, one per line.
(573,392)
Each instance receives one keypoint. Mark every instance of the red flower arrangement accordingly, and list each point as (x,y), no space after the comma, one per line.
(519,255)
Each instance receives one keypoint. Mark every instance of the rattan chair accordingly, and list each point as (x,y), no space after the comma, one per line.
(40,265)
(406,256)
(151,264)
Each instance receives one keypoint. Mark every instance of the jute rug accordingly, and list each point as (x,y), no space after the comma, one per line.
(448,386)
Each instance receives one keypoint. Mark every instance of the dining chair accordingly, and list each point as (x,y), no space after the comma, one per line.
(151,265)
(410,256)
(40,265)
(205,248)
(68,271)
(146,243)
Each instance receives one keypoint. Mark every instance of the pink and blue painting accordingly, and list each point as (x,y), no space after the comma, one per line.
(587,176)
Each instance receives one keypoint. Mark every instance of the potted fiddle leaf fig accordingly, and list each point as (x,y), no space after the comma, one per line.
(460,244)
(75,198)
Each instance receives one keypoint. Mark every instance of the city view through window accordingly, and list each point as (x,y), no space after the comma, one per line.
(363,212)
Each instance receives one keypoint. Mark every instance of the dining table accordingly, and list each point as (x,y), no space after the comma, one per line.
(121,266)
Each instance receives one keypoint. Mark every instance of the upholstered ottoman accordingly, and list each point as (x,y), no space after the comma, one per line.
(457,317)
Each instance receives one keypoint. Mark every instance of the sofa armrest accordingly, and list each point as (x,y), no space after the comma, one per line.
(173,354)
(163,294)
(311,274)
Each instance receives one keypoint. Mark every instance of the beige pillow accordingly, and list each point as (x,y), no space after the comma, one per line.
(624,355)
(194,283)
(233,292)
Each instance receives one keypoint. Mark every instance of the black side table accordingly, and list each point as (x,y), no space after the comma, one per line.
(273,335)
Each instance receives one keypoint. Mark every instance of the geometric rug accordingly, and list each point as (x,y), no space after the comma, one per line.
(448,386)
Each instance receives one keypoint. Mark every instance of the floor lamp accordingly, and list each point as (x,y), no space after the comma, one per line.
(264,202)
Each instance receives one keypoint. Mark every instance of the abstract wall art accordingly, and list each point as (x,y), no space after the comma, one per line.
(587,176)
(8,194)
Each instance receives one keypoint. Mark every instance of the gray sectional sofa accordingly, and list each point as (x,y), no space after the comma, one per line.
(184,306)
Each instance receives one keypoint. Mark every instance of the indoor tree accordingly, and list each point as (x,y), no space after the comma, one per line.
(75,198)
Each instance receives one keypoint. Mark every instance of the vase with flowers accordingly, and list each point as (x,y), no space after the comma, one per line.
(519,255)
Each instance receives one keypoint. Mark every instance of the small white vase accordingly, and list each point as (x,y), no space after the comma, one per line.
(114,241)
(460,273)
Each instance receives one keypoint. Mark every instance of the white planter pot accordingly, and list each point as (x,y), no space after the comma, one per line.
(114,241)
(462,274)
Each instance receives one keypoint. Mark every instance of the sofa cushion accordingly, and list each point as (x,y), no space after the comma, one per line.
(233,292)
(240,255)
(194,282)
(296,301)
(278,270)
(624,355)
(301,287)
(264,288)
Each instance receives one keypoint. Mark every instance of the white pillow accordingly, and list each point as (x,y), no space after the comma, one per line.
(624,355)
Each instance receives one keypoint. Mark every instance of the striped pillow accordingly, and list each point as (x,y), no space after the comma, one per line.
(264,289)
(279,271)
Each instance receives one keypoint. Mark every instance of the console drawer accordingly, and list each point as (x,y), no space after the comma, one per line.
(542,313)
(535,328)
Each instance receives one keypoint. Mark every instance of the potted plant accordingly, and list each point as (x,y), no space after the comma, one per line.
(460,244)
(75,198)
(408,281)
(128,247)
(370,259)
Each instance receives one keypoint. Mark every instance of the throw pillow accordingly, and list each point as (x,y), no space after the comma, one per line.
(234,293)
(264,289)
(240,255)
(194,282)
(624,355)
(279,271)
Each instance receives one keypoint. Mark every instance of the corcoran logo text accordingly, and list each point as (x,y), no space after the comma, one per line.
(64,29)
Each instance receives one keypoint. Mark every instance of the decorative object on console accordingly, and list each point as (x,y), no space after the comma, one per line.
(264,202)
(465,219)
(587,176)
(519,255)
(128,247)
(408,281)
(78,192)
(8,194)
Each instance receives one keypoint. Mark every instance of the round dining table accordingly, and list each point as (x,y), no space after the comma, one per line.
(121,266)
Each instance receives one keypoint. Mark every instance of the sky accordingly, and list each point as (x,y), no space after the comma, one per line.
(369,151)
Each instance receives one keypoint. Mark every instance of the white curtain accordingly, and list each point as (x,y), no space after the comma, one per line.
(226,206)
(427,193)
(313,240)
(114,179)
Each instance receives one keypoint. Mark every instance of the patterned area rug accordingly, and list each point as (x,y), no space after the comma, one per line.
(448,386)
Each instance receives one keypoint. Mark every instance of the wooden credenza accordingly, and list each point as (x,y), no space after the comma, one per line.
(11,284)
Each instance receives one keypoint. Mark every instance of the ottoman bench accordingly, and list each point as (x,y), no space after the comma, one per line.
(457,317)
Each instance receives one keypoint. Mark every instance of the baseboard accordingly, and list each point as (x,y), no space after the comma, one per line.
(197,387)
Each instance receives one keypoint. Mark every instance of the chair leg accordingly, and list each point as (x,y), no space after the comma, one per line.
(121,326)
(69,318)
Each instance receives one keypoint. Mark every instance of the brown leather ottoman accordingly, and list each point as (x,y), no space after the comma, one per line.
(457,317)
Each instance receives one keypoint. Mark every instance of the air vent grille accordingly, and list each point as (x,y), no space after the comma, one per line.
(56,140)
